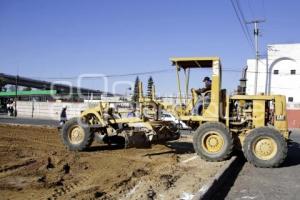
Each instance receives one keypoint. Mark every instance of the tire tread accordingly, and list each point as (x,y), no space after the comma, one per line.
(88,138)
(255,161)
(197,138)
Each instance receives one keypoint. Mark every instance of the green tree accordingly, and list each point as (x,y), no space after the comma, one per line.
(2,84)
(135,96)
(149,88)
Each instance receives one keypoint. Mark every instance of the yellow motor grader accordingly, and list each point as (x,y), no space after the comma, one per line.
(104,124)
(255,124)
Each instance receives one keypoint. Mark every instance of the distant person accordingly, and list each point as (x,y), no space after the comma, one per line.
(63,115)
(198,106)
(10,107)
(14,108)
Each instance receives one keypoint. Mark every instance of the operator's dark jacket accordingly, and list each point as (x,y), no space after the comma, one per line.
(205,89)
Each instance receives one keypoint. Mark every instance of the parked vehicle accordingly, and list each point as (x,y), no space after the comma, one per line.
(166,116)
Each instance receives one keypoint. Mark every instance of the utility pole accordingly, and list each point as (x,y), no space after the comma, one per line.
(256,34)
(16,95)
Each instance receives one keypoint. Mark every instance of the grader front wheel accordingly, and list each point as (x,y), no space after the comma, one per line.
(213,142)
(76,135)
(265,147)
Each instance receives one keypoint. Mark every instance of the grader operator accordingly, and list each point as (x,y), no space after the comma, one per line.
(255,124)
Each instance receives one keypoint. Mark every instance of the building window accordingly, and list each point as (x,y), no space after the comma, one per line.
(276,71)
(293,71)
(290,99)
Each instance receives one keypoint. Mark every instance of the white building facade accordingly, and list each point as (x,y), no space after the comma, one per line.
(279,73)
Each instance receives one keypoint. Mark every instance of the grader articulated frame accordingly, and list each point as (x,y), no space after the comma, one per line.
(104,124)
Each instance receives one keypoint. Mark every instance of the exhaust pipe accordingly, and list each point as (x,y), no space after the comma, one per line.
(242,87)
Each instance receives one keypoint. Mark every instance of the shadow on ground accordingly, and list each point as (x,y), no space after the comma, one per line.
(293,157)
(230,178)
(181,147)
(176,148)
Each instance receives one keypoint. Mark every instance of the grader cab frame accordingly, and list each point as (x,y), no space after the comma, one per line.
(211,113)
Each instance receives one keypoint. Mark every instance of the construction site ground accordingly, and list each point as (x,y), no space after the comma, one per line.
(35,165)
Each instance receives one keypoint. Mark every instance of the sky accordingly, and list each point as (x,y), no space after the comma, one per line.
(61,40)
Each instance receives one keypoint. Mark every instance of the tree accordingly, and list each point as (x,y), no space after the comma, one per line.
(2,84)
(150,86)
(135,96)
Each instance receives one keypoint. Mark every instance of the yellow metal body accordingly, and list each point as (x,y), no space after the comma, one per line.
(96,116)
(212,142)
(264,148)
(240,113)
(220,108)
(259,111)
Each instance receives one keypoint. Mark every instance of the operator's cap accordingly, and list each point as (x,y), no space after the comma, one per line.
(64,106)
(206,79)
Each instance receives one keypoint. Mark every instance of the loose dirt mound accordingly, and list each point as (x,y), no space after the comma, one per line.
(35,165)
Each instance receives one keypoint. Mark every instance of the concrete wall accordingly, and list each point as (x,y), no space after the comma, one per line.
(50,110)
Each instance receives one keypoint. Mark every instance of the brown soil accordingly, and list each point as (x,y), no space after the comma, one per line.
(35,165)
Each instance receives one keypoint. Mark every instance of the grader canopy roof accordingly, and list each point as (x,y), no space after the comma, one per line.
(194,62)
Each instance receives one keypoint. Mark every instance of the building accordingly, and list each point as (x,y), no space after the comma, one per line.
(43,99)
(43,90)
(279,73)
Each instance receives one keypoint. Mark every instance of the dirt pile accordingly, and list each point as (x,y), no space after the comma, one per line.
(35,165)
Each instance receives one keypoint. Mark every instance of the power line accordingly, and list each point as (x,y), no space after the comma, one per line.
(224,69)
(239,8)
(141,73)
(113,75)
(242,25)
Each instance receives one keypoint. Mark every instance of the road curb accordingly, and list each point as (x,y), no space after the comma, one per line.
(218,180)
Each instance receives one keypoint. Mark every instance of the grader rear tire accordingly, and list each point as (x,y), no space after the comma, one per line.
(265,147)
(213,142)
(76,135)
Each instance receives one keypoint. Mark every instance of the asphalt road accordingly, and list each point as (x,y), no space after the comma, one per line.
(268,184)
